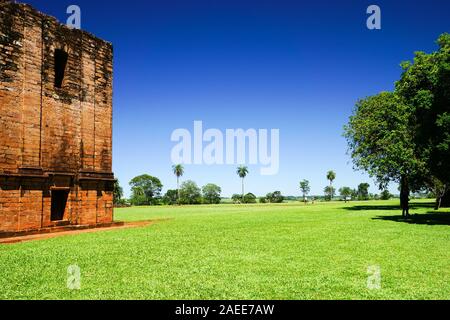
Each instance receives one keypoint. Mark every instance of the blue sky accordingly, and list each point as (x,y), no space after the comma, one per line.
(292,65)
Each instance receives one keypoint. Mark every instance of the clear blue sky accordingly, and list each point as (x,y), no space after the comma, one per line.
(293,65)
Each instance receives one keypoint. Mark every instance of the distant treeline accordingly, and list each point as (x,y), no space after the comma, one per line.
(147,190)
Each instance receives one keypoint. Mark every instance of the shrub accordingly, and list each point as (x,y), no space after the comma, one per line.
(275,197)
(190,193)
(171,197)
(211,193)
(236,198)
(249,198)
(385,195)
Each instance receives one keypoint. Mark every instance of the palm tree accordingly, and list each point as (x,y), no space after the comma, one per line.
(331,175)
(242,172)
(178,170)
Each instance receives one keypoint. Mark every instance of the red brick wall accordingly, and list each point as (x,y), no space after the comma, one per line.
(53,137)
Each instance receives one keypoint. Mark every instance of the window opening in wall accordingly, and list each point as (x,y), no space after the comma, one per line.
(61,58)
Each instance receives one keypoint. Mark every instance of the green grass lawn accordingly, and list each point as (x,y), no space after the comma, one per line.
(285,251)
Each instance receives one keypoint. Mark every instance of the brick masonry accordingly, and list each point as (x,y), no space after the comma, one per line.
(53,139)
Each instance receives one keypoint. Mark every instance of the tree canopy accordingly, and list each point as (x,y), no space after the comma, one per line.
(331,175)
(404,136)
(145,190)
(275,197)
(329,192)
(211,193)
(425,87)
(381,140)
(345,192)
(305,188)
(171,197)
(190,193)
(242,171)
(249,198)
(178,170)
(363,191)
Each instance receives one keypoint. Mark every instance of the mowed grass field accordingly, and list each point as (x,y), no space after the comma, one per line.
(264,251)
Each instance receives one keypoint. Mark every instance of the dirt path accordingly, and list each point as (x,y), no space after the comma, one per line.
(126,225)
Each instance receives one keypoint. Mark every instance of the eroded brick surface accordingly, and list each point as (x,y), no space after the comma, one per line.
(51,138)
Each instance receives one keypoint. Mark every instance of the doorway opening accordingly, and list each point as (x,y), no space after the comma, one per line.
(59,203)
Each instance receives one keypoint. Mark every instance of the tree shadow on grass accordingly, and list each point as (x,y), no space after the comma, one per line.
(412,206)
(430,218)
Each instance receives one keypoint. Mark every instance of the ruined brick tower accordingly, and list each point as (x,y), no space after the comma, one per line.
(55,123)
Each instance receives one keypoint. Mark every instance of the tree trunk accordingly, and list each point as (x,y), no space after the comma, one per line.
(178,189)
(242,189)
(331,190)
(438,202)
(404,195)
(442,197)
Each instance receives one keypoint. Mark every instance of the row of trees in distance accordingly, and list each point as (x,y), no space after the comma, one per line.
(147,190)
(346,193)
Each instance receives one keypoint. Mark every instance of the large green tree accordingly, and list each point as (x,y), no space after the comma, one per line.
(404,136)
(145,190)
(381,141)
(425,87)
